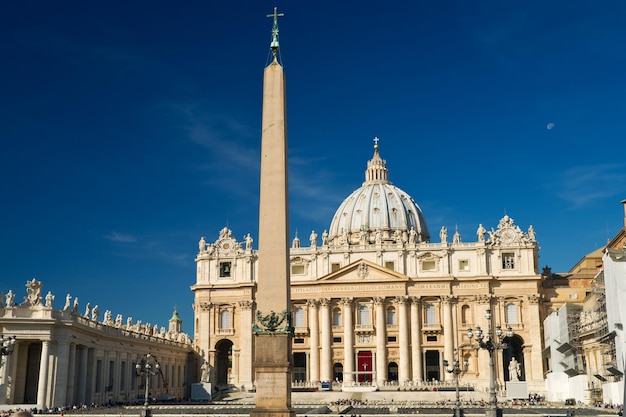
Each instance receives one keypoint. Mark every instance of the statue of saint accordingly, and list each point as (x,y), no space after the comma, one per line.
(10,299)
(68,302)
(412,235)
(49,299)
(325,238)
(249,241)
(480,233)
(443,234)
(531,233)
(313,238)
(95,313)
(202,245)
(514,370)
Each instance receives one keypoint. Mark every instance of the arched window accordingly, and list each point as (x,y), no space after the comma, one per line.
(364,315)
(337,317)
(465,311)
(510,313)
(430,315)
(391,316)
(225,319)
(298,317)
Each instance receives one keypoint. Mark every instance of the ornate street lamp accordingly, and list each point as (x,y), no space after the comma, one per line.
(7,345)
(491,343)
(456,369)
(150,367)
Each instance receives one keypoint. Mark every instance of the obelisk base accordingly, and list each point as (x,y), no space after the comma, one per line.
(273,375)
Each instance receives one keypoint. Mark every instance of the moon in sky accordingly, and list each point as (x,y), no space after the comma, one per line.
(550,126)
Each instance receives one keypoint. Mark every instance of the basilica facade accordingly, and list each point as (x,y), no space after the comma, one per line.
(376,300)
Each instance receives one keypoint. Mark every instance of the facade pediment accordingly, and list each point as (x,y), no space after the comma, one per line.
(363,270)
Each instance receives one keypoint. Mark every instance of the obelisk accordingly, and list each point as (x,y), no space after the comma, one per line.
(272,328)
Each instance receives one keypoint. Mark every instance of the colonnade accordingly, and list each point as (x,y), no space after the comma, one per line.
(54,373)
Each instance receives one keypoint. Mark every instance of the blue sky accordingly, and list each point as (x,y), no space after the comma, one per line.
(131,129)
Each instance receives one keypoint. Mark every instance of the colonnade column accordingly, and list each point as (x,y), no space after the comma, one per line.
(403,330)
(71,374)
(326,373)
(62,365)
(348,340)
(314,362)
(82,375)
(381,341)
(43,375)
(448,332)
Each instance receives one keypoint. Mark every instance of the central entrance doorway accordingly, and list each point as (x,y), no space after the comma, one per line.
(365,370)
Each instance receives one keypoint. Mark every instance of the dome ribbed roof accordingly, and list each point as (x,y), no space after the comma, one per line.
(377,210)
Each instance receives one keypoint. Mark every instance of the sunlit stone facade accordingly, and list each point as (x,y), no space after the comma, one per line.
(375,300)
(77,355)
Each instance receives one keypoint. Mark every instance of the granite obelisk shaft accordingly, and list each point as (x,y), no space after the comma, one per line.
(272,344)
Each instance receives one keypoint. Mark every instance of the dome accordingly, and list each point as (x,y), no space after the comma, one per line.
(378,211)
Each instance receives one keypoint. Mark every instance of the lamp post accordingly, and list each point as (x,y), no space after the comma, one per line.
(491,343)
(7,345)
(456,370)
(150,367)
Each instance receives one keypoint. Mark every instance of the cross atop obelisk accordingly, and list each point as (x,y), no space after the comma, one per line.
(274,45)
(272,326)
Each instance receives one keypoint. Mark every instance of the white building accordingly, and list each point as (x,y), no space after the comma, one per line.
(374,300)
(615,284)
(66,356)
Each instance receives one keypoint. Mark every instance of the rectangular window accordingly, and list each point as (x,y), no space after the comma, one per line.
(431,314)
(298,341)
(431,338)
(336,339)
(225,269)
(364,315)
(428,266)
(337,318)
(334,267)
(391,339)
(464,265)
(508,261)
(390,265)
(297,269)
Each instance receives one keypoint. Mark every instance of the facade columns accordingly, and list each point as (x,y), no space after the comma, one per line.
(448,332)
(246,370)
(43,375)
(348,340)
(314,356)
(381,341)
(534,368)
(403,342)
(416,347)
(326,368)
(82,375)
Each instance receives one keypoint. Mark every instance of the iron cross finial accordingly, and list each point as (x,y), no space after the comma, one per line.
(274,45)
